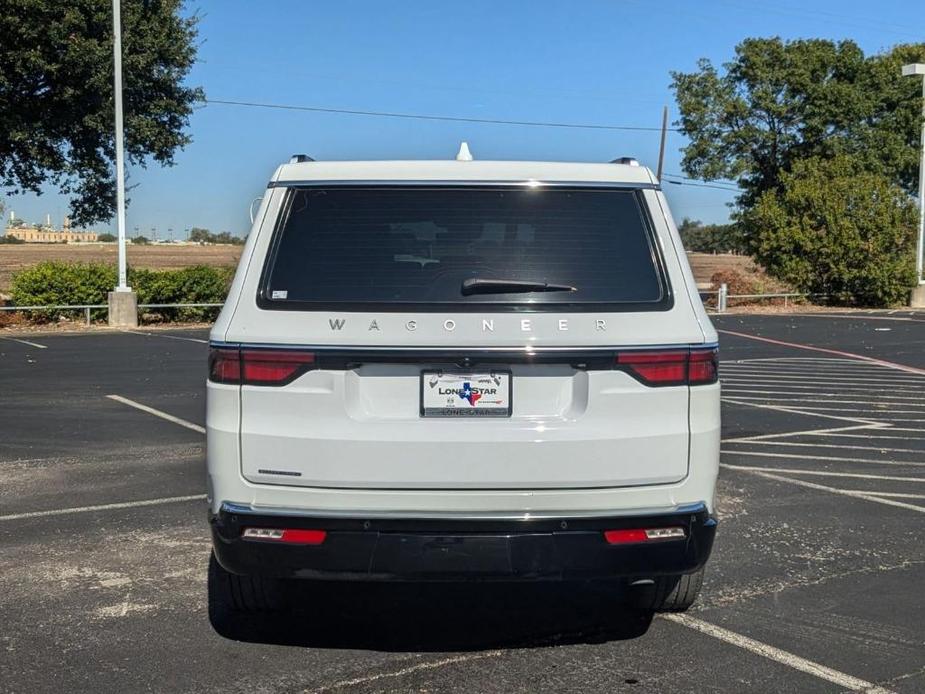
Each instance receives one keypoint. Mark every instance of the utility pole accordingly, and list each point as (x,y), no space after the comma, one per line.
(123,302)
(918,294)
(661,149)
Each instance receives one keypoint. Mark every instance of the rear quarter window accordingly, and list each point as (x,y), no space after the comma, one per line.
(411,248)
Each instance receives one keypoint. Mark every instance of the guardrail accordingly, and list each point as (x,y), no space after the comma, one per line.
(87,308)
(723,296)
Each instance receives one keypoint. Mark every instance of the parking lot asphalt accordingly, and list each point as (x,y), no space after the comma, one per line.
(815,584)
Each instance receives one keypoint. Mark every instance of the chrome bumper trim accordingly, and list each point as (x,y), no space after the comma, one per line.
(249,509)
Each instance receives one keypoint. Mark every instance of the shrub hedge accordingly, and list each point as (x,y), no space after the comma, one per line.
(61,283)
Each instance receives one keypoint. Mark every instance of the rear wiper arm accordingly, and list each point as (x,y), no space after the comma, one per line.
(478,285)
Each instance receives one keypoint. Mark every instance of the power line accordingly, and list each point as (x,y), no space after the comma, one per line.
(420,116)
(702,185)
(827,17)
(689,182)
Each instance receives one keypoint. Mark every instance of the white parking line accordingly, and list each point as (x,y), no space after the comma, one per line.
(823,473)
(821,367)
(793,410)
(834,490)
(863,381)
(825,350)
(103,507)
(830,458)
(785,359)
(917,402)
(808,432)
(834,367)
(897,495)
(791,660)
(872,389)
(158,413)
(168,337)
(737,390)
(877,410)
(838,446)
(24,342)
(875,437)
(426,665)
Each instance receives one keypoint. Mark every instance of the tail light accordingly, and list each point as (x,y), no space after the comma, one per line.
(670,367)
(258,367)
(703,367)
(631,536)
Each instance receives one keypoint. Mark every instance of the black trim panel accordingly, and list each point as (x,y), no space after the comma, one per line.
(409,549)
(590,359)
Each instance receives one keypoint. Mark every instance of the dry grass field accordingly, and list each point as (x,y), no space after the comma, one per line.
(705,265)
(16,257)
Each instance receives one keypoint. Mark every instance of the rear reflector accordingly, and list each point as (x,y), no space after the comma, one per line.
(670,367)
(635,535)
(258,367)
(289,536)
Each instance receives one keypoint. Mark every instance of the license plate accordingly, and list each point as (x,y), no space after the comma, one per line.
(455,394)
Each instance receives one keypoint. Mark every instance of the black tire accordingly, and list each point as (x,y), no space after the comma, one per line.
(233,594)
(672,593)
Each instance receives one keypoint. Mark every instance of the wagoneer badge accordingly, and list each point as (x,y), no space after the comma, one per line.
(488,324)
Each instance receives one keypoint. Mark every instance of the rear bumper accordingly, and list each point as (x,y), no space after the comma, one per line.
(559,548)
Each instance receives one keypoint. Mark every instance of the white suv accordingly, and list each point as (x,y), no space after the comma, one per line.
(444,370)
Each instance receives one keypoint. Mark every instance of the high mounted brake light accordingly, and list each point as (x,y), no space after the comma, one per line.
(258,367)
(670,367)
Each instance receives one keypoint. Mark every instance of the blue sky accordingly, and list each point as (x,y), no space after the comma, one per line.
(595,61)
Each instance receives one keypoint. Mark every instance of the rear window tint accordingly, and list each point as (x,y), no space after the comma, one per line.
(412,248)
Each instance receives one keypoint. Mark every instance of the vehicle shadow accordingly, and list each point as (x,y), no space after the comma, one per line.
(439,617)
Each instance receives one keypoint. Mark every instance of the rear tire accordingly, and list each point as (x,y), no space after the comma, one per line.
(672,593)
(233,594)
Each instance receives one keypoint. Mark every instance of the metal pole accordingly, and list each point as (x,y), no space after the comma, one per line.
(661,149)
(120,163)
(921,245)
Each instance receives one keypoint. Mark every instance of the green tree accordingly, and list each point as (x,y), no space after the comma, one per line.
(711,238)
(227,237)
(779,102)
(833,229)
(200,235)
(141,240)
(56,94)
(106,238)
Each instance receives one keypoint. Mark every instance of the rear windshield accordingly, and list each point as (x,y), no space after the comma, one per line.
(414,248)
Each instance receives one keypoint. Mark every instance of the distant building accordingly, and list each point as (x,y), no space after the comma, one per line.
(33,233)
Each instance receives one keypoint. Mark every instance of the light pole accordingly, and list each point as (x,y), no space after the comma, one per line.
(123,303)
(120,156)
(918,297)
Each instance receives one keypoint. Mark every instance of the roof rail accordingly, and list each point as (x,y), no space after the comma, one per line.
(629,161)
(300,159)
